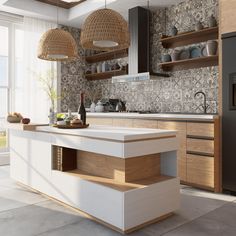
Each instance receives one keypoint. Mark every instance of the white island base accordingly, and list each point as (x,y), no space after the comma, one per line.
(122,177)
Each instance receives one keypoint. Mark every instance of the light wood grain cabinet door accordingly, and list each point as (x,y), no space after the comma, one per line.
(200,146)
(200,129)
(200,170)
(181,153)
(123,122)
(227,16)
(142,123)
(99,121)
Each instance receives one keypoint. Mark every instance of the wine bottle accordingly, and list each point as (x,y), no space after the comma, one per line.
(82,111)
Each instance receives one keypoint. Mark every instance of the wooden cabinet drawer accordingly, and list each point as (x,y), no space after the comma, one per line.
(99,121)
(200,170)
(123,122)
(140,123)
(200,129)
(200,146)
(172,125)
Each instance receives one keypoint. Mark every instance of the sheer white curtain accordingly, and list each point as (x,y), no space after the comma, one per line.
(36,103)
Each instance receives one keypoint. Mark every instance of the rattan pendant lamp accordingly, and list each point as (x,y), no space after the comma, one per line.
(57,45)
(105,30)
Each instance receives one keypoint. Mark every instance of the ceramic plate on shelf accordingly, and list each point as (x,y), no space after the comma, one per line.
(195,52)
(204,51)
(184,54)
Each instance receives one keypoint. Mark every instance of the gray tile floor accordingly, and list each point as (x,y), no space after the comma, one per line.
(25,213)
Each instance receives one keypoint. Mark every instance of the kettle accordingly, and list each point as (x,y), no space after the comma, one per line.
(99,107)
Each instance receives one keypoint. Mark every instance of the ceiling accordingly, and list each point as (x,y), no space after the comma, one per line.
(67,4)
(75,15)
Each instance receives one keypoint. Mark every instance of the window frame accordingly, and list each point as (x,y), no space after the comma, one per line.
(10,87)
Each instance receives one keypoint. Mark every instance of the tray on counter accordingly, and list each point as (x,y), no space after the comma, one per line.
(71,126)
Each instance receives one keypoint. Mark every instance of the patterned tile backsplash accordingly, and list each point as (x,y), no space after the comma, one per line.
(174,94)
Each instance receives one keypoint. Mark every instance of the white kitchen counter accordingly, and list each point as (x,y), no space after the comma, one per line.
(110,133)
(130,115)
(125,177)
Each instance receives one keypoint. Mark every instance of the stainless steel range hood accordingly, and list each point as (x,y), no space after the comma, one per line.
(139,65)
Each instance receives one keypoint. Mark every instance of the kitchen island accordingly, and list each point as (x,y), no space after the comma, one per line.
(124,178)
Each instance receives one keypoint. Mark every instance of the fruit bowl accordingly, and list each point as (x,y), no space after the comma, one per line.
(14,119)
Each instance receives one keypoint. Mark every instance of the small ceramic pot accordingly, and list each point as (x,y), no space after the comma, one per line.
(173,31)
(212,21)
(92,107)
(211,47)
(175,55)
(99,107)
(198,26)
(165,57)
(99,68)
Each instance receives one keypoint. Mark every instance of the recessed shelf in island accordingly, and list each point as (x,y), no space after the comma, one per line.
(188,38)
(190,63)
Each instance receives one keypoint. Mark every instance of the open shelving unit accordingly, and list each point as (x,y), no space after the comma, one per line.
(188,38)
(104,56)
(105,75)
(190,63)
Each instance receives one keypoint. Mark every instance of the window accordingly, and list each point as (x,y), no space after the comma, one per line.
(4,82)
(11,56)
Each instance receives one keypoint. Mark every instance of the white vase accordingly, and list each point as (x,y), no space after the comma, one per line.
(92,107)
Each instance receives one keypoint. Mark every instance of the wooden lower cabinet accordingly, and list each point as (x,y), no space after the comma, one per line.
(100,121)
(123,122)
(198,155)
(200,170)
(141,123)
(181,154)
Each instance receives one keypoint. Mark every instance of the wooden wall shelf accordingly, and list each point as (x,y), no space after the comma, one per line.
(105,75)
(192,37)
(190,63)
(107,56)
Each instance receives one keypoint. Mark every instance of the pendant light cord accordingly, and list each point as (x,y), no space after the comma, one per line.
(105,4)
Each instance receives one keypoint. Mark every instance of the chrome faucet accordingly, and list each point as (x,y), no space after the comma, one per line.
(205,106)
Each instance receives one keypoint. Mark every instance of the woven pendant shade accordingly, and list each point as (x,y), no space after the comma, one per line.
(57,45)
(105,30)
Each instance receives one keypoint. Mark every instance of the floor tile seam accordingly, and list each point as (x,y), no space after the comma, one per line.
(27,205)
(57,228)
(190,221)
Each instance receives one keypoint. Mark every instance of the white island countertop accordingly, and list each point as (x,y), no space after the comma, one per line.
(110,133)
(167,116)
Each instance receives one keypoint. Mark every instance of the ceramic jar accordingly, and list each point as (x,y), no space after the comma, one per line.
(165,57)
(212,21)
(99,107)
(92,107)
(173,31)
(175,55)
(211,47)
(198,26)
